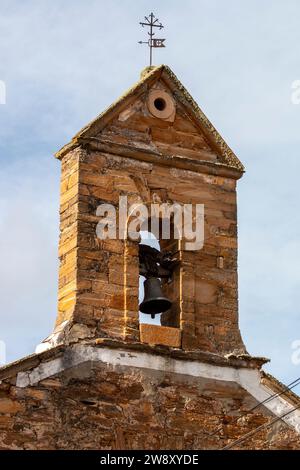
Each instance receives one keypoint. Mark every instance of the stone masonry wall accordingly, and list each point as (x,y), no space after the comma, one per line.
(99,279)
(96,406)
(150,158)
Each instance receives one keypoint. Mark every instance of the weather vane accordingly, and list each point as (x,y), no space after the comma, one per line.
(152,22)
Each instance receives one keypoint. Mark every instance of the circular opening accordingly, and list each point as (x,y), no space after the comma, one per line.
(160,104)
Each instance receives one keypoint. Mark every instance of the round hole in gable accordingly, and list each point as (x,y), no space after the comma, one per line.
(160,104)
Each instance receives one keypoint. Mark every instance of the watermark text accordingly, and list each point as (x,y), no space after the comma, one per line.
(165,221)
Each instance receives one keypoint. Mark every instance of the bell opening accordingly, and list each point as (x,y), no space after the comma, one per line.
(147,238)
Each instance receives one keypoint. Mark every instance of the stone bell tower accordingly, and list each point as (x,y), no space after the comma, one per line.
(153,144)
(102,380)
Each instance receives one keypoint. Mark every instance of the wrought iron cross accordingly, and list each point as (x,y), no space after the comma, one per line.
(152,22)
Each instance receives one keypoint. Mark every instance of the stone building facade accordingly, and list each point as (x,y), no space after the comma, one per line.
(103,380)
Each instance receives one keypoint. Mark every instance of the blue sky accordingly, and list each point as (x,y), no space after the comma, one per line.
(64,61)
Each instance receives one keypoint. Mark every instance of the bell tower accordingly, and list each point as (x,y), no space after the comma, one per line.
(152,162)
(152,147)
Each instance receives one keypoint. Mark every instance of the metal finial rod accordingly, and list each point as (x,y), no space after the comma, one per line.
(152,22)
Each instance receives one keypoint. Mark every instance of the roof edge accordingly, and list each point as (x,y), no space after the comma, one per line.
(280,389)
(147,75)
(32,361)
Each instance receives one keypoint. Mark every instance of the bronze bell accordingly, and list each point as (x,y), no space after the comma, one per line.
(154,301)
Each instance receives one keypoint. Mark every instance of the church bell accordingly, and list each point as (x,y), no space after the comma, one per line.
(154,301)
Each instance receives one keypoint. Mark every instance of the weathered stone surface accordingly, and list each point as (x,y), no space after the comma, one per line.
(9,406)
(164,335)
(102,275)
(97,406)
(127,395)
(207,286)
